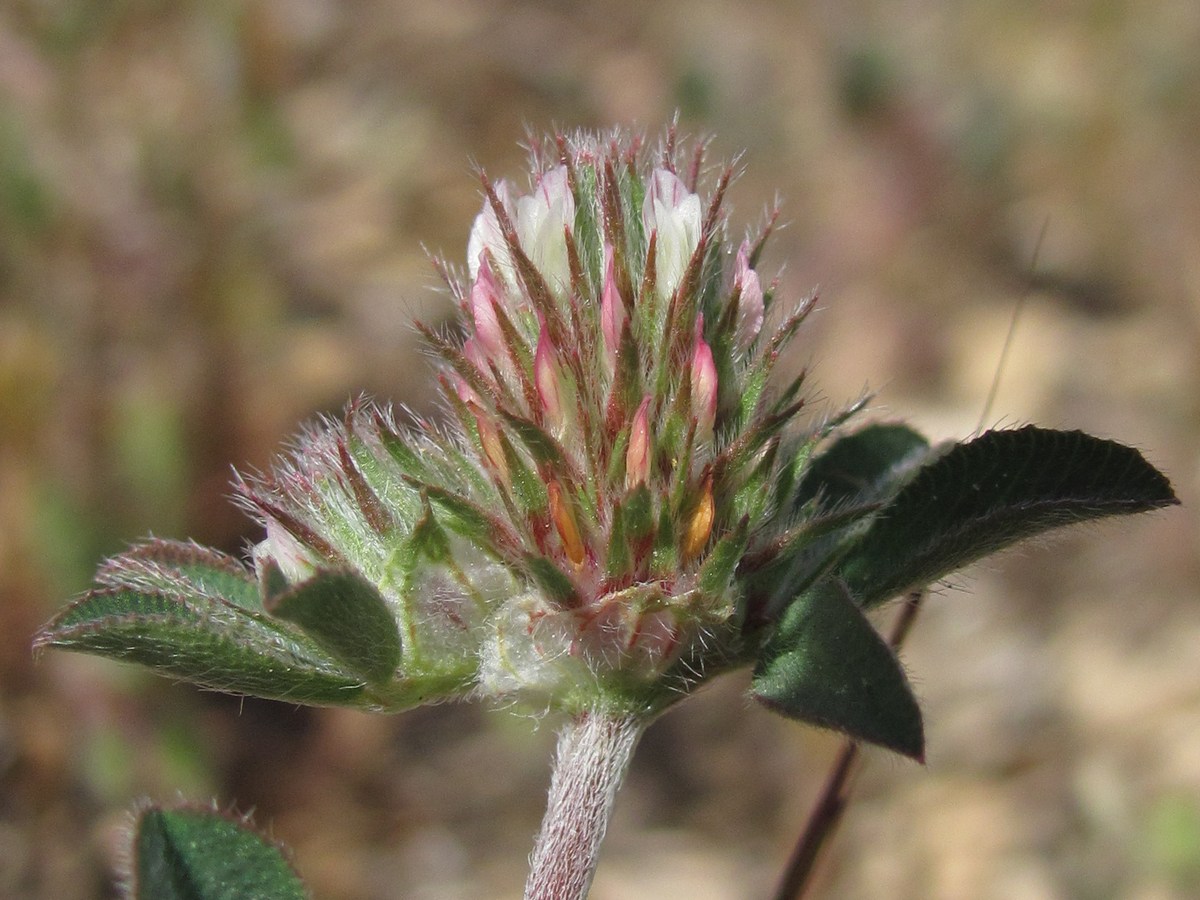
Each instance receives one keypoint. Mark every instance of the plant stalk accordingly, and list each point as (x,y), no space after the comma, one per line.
(594,750)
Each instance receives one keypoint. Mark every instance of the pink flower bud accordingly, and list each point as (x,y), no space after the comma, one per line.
(548,379)
(485,294)
(704,385)
(637,455)
(464,391)
(477,357)
(750,300)
(612,310)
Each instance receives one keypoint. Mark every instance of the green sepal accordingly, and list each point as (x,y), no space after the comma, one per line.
(542,447)
(615,471)
(552,580)
(190,853)
(396,495)
(466,518)
(751,392)
(204,640)
(797,456)
(722,561)
(668,441)
(664,558)
(983,495)
(638,511)
(397,446)
(586,233)
(828,666)
(626,392)
(754,493)
(346,617)
(618,562)
(528,488)
(428,539)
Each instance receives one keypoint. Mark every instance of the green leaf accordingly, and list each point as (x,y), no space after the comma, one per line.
(204,640)
(347,618)
(197,854)
(826,665)
(862,467)
(986,494)
(179,567)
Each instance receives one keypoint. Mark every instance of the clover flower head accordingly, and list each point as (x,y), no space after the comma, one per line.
(581,533)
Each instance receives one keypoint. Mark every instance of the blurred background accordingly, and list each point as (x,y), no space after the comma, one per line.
(212,217)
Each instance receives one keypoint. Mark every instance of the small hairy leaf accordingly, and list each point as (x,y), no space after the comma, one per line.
(347,618)
(986,494)
(862,467)
(184,567)
(203,640)
(828,666)
(197,854)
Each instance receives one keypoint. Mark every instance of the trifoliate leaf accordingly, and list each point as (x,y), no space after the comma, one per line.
(986,494)
(828,666)
(197,854)
(205,640)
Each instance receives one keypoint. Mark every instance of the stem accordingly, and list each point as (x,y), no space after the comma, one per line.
(594,749)
(835,795)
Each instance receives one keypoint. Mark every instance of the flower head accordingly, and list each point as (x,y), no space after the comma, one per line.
(614,478)
(612,460)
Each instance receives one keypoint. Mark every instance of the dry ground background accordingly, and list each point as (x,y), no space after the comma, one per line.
(211,221)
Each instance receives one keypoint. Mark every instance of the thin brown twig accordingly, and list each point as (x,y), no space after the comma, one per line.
(835,795)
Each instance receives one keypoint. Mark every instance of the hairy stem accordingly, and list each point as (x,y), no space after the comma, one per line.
(594,749)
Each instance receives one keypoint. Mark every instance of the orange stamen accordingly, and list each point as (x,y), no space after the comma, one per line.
(700,526)
(564,521)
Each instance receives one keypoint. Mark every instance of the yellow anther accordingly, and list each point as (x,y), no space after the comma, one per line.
(564,522)
(700,526)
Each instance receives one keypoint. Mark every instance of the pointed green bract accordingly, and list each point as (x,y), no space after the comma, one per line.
(347,618)
(197,854)
(828,666)
(837,495)
(991,492)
